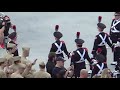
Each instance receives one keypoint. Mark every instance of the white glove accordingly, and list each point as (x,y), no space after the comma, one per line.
(94,62)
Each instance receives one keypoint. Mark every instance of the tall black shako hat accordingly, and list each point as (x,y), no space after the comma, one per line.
(78,40)
(57,34)
(101,25)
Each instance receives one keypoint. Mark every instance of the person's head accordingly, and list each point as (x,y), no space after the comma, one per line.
(6,18)
(42,65)
(2,62)
(52,56)
(101,27)
(25,51)
(11,48)
(84,73)
(79,42)
(106,73)
(60,61)
(17,59)
(117,15)
(57,34)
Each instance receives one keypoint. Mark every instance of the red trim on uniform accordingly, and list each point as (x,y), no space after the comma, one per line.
(85,49)
(113,19)
(13,27)
(105,62)
(62,41)
(99,50)
(107,34)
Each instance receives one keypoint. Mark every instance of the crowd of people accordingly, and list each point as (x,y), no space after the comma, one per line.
(13,65)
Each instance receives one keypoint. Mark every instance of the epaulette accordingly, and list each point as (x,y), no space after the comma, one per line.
(62,41)
(107,34)
(85,49)
(113,19)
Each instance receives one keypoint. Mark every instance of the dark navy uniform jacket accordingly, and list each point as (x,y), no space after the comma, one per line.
(63,48)
(99,43)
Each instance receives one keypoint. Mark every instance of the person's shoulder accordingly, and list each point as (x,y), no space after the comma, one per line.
(74,53)
(105,65)
(113,19)
(106,33)
(53,43)
(49,63)
(56,69)
(86,49)
(97,36)
(62,41)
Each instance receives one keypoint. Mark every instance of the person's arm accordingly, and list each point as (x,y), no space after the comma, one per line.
(53,48)
(110,28)
(73,57)
(88,58)
(66,51)
(109,43)
(95,46)
(118,26)
(49,68)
